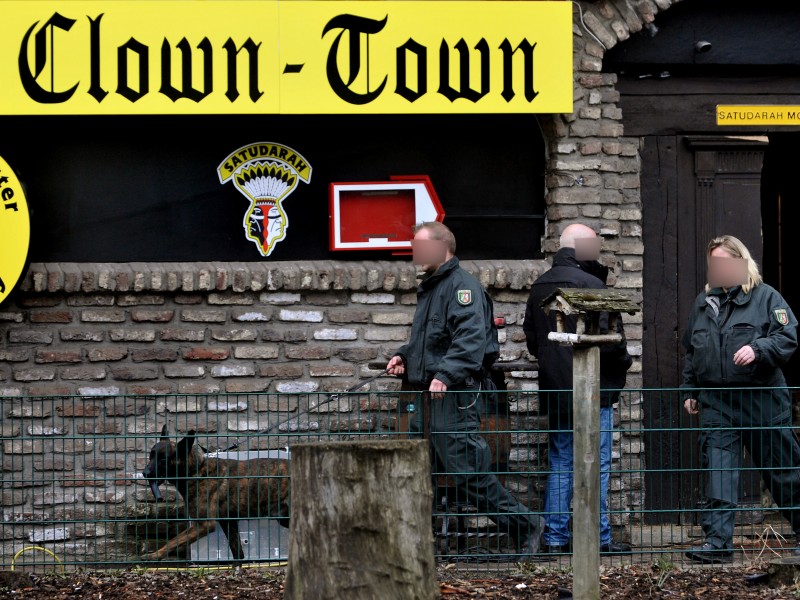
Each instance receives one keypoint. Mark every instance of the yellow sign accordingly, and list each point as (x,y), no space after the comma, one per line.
(758,114)
(15,231)
(290,57)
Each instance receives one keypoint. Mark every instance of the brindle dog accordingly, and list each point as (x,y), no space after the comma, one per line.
(217,490)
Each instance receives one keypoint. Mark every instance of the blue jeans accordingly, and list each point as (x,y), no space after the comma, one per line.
(559,482)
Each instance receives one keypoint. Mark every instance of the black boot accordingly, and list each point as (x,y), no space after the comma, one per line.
(529,547)
(615,548)
(709,553)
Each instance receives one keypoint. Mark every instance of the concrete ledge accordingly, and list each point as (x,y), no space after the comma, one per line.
(257,276)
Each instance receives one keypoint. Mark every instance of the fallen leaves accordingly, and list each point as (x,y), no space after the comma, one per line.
(449,589)
(619,583)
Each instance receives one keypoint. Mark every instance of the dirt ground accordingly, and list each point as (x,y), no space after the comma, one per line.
(623,582)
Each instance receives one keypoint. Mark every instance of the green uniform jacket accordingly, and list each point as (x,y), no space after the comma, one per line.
(760,318)
(453,333)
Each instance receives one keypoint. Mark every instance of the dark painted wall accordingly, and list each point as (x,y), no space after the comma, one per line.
(145,188)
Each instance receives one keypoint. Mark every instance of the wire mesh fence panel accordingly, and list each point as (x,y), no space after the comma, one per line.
(81,474)
(708,477)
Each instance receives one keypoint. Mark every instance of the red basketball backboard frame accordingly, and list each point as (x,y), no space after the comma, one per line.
(380,215)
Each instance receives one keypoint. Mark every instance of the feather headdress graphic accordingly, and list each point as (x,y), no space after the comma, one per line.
(266,174)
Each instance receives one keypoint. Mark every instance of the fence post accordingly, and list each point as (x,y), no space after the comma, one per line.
(586,307)
(586,473)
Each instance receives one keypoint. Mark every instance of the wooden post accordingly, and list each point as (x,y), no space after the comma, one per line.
(586,473)
(361,521)
(587,304)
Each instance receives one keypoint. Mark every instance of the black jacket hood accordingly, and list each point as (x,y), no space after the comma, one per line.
(566,258)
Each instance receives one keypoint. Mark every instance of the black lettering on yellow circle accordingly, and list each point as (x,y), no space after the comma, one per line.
(15,231)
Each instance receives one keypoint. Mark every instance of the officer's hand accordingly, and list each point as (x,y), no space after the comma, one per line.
(396,366)
(744,356)
(437,389)
(690,404)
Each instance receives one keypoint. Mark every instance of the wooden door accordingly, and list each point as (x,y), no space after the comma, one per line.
(694,188)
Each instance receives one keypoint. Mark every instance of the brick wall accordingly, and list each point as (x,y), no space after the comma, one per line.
(110,330)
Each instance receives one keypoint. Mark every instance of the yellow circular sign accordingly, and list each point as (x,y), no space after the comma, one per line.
(15,231)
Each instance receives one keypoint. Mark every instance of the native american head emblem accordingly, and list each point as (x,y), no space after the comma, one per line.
(266,174)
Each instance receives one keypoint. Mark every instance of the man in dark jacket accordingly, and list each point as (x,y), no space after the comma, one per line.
(452,340)
(555,384)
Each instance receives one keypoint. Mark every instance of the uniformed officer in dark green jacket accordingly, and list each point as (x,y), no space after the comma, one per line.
(741,331)
(452,339)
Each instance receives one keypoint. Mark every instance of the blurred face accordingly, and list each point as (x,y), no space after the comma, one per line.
(587,248)
(427,253)
(724,270)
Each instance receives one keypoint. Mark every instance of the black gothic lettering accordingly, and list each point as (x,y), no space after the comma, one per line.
(252,51)
(356,27)
(28,78)
(444,71)
(508,69)
(123,87)
(421,54)
(187,90)
(95,89)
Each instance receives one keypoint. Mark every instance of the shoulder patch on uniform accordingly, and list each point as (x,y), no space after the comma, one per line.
(464,297)
(781,316)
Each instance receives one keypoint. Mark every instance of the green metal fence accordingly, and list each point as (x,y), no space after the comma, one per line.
(73,491)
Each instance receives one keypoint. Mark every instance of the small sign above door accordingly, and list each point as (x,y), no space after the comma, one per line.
(758,114)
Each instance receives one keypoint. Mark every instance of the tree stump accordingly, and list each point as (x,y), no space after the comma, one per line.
(361,521)
(784,570)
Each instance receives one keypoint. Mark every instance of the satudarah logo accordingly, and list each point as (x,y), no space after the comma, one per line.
(266,174)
